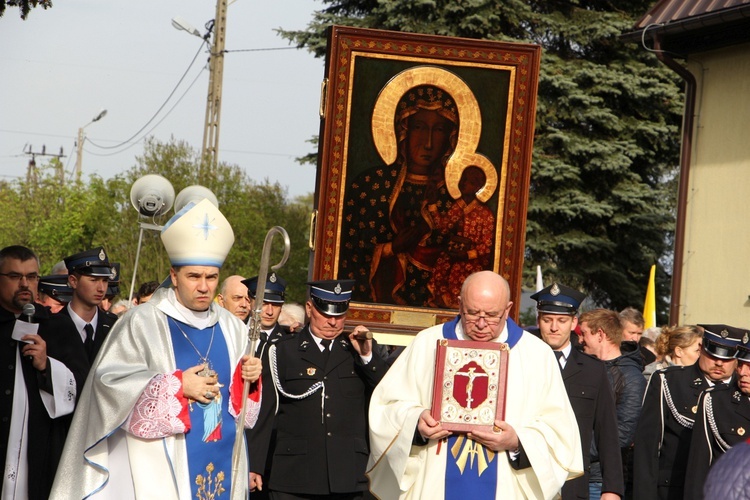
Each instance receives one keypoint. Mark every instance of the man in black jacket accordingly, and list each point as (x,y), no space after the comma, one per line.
(662,441)
(38,392)
(324,378)
(723,416)
(89,273)
(601,335)
(261,438)
(590,394)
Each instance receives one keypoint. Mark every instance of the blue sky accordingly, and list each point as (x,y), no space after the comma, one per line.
(61,66)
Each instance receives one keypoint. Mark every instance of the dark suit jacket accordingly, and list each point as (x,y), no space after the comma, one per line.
(46,436)
(593,403)
(261,436)
(319,449)
(730,411)
(662,439)
(104,324)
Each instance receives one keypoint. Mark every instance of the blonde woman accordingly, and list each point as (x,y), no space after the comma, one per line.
(676,345)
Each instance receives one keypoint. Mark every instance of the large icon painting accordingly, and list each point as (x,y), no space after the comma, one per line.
(424,165)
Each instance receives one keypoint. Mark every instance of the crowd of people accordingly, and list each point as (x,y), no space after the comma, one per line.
(144,403)
(657,388)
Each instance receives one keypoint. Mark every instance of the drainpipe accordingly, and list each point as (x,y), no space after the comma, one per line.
(682,193)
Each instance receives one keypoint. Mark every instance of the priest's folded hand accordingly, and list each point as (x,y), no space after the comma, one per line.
(429,428)
(200,384)
(502,437)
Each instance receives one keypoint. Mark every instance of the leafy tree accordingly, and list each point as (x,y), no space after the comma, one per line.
(52,218)
(24,5)
(606,141)
(58,219)
(251,208)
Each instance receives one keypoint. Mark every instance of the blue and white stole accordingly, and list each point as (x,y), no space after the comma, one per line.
(470,469)
(209,447)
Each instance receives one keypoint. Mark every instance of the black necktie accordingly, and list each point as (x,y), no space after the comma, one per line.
(326,343)
(559,355)
(88,344)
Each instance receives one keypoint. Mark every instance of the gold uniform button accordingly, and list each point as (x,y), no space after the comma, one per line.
(695,409)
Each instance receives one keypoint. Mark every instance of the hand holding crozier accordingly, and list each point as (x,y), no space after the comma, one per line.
(251,368)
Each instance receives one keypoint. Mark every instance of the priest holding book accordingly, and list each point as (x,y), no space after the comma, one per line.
(529,452)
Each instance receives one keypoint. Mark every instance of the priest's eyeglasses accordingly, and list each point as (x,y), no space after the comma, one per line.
(489,318)
(17,276)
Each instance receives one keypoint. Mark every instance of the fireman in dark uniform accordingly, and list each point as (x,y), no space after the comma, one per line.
(324,378)
(723,420)
(261,437)
(588,389)
(662,440)
(89,273)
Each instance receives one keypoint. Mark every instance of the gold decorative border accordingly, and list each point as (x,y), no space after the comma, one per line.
(521,58)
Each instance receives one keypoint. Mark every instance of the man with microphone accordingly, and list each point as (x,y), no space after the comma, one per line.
(47,367)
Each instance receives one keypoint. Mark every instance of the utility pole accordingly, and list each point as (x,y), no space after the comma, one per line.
(79,154)
(31,173)
(81,138)
(210,152)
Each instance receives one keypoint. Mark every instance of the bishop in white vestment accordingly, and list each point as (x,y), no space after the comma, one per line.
(157,415)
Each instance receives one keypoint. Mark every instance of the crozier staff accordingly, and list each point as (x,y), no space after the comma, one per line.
(260,445)
(157,412)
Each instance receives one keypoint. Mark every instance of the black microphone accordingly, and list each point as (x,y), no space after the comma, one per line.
(29,310)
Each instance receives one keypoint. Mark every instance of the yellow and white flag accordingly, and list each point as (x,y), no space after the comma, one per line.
(649,307)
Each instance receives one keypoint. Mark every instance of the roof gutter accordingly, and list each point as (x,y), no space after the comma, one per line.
(685,160)
(659,26)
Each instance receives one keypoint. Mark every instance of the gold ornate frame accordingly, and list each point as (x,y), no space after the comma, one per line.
(357,119)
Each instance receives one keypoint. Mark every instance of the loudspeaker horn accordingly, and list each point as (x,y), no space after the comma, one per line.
(194,193)
(152,195)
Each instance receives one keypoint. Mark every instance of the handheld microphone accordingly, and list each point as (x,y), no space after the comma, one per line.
(29,310)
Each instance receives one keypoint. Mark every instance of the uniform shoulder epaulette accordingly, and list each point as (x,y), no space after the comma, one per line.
(673,368)
(718,387)
(111,316)
(287,337)
(277,338)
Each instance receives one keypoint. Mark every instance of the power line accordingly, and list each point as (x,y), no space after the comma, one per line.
(263,49)
(158,110)
(35,133)
(155,125)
